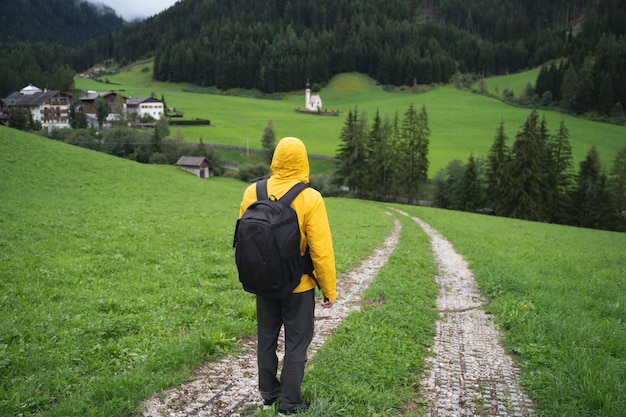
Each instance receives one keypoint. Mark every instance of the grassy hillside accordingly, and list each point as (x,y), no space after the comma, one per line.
(117,279)
(461,123)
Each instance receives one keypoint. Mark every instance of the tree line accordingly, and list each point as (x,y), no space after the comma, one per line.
(533,178)
(279,44)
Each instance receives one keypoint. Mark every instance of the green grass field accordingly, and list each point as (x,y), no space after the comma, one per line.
(117,280)
(461,122)
(559,293)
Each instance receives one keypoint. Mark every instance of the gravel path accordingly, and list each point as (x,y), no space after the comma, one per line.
(471,375)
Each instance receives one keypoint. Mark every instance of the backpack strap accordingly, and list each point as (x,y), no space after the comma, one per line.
(261,190)
(292,193)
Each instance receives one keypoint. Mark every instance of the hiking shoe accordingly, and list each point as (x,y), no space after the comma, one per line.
(269,403)
(293,410)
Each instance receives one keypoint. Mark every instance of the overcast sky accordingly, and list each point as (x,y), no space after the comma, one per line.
(136,9)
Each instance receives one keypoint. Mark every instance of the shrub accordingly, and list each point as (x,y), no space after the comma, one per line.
(159,158)
(249,173)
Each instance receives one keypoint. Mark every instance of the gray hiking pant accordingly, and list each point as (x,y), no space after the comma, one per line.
(296,312)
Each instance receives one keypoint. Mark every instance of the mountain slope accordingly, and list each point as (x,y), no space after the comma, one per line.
(67,22)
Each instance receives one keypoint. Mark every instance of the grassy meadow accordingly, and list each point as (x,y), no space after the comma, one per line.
(461,123)
(559,293)
(117,281)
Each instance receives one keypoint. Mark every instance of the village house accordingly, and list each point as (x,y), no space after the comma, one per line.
(48,107)
(197,165)
(111,97)
(145,106)
(89,109)
(140,106)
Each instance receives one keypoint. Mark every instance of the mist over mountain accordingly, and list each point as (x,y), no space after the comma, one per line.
(66,22)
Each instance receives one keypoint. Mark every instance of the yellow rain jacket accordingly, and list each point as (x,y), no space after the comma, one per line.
(290,165)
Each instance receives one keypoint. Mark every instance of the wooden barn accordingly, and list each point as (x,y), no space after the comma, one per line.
(197,165)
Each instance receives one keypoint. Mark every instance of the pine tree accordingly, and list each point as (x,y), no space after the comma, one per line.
(352,170)
(102,110)
(378,157)
(569,87)
(524,197)
(496,171)
(468,194)
(447,183)
(591,202)
(394,152)
(559,174)
(618,188)
(415,137)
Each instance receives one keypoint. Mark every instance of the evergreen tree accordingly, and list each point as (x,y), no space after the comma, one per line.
(468,193)
(496,169)
(17,118)
(395,150)
(569,87)
(447,183)
(618,189)
(605,95)
(585,98)
(524,197)
(352,170)
(559,174)
(544,81)
(102,110)
(591,202)
(268,140)
(379,157)
(413,160)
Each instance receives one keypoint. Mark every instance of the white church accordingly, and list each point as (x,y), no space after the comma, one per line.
(312,103)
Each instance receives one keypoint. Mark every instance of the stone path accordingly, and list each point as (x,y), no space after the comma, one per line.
(470,374)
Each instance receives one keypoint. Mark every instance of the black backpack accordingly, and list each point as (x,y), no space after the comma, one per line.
(267,245)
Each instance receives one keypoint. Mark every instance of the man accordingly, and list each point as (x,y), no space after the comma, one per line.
(290,165)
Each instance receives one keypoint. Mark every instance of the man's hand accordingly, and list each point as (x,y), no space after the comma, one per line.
(326,303)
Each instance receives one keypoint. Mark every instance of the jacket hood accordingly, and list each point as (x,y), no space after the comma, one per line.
(290,160)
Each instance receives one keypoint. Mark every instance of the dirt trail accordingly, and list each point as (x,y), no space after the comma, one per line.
(470,374)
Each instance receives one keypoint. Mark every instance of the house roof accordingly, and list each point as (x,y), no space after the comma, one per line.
(191,161)
(93,95)
(30,100)
(138,100)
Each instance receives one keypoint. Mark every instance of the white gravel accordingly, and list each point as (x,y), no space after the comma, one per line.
(470,374)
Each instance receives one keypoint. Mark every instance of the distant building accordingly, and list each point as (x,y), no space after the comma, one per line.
(145,106)
(111,97)
(89,109)
(312,103)
(48,107)
(197,165)
(141,106)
